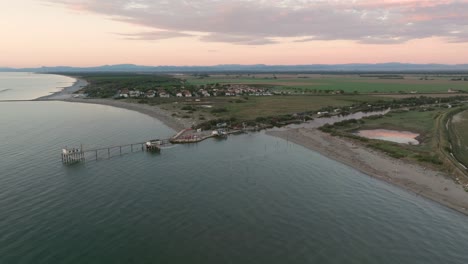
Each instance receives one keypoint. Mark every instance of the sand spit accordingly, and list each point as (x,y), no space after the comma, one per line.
(67,92)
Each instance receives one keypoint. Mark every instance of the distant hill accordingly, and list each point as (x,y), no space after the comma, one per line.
(380,67)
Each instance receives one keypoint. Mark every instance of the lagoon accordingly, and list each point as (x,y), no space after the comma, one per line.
(402,137)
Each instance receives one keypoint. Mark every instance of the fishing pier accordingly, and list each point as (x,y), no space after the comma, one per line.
(74,155)
(186,136)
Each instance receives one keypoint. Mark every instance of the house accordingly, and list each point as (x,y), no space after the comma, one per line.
(151,94)
(164,94)
(134,93)
(187,93)
(179,94)
(204,93)
(322,113)
(123,93)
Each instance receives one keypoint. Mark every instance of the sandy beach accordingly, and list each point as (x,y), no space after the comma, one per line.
(66,95)
(66,92)
(428,183)
(164,116)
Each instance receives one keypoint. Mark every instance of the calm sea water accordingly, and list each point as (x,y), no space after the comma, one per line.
(27,86)
(248,199)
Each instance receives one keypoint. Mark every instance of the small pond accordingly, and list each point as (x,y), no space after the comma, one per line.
(403,137)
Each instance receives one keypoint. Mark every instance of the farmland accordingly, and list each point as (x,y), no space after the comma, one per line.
(319,83)
(253,107)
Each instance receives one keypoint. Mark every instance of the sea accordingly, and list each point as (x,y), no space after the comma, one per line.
(251,198)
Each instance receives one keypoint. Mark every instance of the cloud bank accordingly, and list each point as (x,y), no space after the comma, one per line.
(260,22)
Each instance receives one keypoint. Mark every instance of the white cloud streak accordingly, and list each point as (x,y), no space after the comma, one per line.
(260,22)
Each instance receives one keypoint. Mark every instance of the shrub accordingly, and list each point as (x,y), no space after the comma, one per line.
(219,110)
(189,108)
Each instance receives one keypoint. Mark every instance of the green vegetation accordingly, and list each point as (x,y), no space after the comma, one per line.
(414,121)
(424,117)
(105,85)
(322,84)
(265,106)
(293,98)
(459,136)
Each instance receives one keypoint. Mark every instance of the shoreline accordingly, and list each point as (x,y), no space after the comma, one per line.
(428,183)
(431,184)
(66,92)
(152,111)
(66,95)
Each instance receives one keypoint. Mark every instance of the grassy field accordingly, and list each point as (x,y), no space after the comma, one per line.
(249,108)
(459,133)
(413,121)
(423,123)
(434,148)
(318,83)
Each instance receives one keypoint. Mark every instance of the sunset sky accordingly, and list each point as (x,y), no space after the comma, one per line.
(208,32)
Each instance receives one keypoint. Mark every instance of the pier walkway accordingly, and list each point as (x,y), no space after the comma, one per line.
(73,155)
(186,136)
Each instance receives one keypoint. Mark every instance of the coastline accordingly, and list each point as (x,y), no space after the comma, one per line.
(66,95)
(66,92)
(153,111)
(431,184)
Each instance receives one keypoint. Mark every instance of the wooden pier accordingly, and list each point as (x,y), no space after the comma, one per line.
(75,155)
(195,137)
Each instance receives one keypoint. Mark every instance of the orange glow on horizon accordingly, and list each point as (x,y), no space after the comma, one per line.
(39,34)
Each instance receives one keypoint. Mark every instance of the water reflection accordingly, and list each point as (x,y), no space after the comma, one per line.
(403,137)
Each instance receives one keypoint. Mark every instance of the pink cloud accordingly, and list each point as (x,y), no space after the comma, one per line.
(249,21)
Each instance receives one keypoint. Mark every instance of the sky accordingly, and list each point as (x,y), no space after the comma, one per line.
(37,33)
